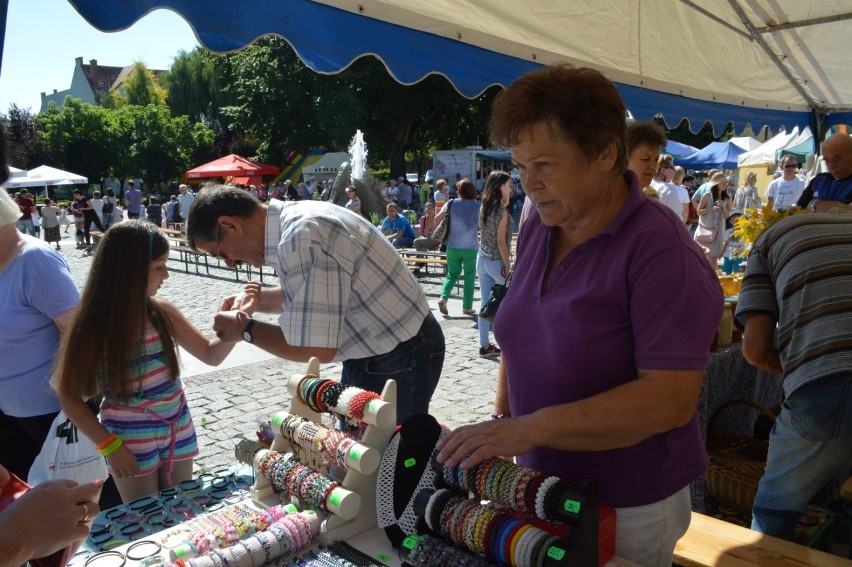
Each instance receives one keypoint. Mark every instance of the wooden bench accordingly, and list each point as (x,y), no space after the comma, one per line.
(713,542)
(416,259)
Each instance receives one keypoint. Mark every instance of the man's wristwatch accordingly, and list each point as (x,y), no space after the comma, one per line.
(247,336)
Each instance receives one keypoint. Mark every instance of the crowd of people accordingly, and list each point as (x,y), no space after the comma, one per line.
(604,333)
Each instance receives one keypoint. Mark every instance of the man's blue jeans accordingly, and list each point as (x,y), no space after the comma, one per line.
(415,364)
(810,445)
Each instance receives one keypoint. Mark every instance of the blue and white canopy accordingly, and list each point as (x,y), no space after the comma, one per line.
(775,63)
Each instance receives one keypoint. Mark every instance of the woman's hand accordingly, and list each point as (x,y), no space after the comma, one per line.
(123,463)
(61,511)
(504,271)
(495,438)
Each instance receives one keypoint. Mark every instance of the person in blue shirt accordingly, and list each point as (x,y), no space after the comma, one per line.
(397,228)
(827,190)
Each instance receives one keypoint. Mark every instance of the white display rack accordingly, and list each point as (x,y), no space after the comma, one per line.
(352,507)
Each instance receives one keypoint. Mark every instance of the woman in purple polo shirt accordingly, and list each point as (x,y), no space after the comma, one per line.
(606,329)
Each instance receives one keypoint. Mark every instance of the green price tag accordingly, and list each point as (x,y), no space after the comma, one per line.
(371,405)
(276,420)
(384,557)
(409,542)
(291,509)
(410,462)
(572,506)
(335,499)
(556,553)
(354,454)
(179,552)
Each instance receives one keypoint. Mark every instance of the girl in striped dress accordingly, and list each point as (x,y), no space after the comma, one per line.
(123,346)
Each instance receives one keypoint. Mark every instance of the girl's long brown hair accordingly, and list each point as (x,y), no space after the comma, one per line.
(107,332)
(492,195)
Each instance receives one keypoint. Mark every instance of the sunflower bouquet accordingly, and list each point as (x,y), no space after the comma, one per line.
(755,221)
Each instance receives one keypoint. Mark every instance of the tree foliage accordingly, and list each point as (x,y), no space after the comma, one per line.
(139,141)
(26,149)
(266,93)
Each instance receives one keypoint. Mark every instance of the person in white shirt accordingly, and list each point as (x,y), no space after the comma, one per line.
(784,192)
(675,196)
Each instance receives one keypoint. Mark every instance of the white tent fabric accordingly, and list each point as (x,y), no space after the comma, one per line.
(765,153)
(779,62)
(15,172)
(745,142)
(44,175)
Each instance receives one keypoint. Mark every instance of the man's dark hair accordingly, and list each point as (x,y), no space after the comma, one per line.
(212,202)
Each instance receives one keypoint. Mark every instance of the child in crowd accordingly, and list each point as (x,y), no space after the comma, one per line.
(145,429)
(734,247)
(36,222)
(63,218)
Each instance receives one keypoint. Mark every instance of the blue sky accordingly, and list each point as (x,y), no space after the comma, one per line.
(43,37)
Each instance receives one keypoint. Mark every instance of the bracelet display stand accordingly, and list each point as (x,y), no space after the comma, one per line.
(352,506)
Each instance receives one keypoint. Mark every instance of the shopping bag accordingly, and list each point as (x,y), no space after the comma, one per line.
(443,228)
(67,454)
(705,235)
(498,292)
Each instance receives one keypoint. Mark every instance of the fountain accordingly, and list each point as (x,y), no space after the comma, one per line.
(355,172)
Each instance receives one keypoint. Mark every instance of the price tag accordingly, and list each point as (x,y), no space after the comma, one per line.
(572,506)
(384,557)
(556,553)
(276,420)
(410,462)
(335,499)
(372,405)
(354,454)
(409,542)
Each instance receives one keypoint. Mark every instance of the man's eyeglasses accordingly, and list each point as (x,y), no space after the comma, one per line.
(791,166)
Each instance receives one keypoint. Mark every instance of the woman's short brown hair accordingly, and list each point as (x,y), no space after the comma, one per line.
(581,106)
(466,189)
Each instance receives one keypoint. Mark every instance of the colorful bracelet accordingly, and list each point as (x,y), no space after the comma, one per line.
(109,440)
(112,447)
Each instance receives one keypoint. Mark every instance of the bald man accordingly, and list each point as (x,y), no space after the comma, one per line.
(827,190)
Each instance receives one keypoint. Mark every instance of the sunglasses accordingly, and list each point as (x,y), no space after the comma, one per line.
(791,166)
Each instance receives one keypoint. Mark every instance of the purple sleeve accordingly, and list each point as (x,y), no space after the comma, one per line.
(676,304)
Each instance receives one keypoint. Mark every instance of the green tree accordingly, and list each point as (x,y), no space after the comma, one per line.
(271,96)
(79,136)
(142,87)
(155,146)
(26,148)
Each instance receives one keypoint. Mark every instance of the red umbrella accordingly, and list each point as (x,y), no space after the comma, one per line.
(231,166)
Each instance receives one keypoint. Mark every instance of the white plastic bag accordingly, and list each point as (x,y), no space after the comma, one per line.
(67,454)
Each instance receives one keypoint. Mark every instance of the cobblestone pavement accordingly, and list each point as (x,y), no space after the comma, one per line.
(226,403)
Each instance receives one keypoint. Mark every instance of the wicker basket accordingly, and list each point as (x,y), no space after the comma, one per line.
(736,462)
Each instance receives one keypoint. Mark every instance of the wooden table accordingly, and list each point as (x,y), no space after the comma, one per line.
(713,542)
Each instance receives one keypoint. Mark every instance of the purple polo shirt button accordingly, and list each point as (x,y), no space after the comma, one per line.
(549,287)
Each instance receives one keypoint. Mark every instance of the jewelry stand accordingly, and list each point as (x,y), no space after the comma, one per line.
(352,506)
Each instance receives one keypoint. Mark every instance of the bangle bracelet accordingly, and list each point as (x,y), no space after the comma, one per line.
(104,555)
(136,530)
(114,514)
(190,485)
(156,519)
(142,503)
(118,542)
(101,538)
(219,483)
(143,553)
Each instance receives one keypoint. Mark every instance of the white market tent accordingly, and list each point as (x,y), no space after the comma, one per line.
(765,153)
(745,142)
(778,63)
(44,175)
